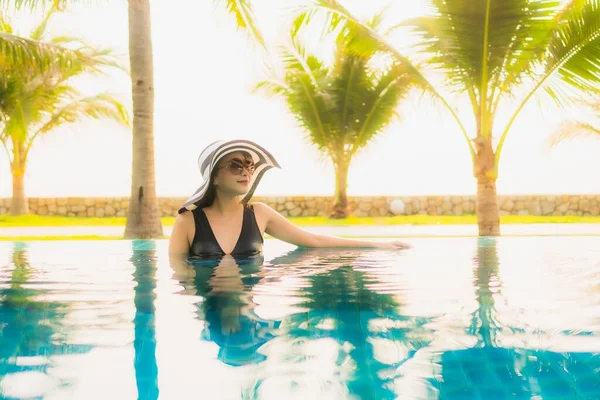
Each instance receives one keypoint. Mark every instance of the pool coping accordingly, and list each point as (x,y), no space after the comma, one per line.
(367,231)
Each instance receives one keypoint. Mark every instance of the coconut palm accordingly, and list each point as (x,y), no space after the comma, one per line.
(143,214)
(490,51)
(342,107)
(34,102)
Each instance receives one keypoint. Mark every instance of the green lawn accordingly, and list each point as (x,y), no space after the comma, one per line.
(38,221)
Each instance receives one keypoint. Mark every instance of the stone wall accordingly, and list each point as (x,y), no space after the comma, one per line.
(321,205)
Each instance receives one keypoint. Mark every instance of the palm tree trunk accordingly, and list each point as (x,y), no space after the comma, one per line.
(340,205)
(19,204)
(488,214)
(143,216)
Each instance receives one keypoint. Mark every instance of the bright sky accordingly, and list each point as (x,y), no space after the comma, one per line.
(204,72)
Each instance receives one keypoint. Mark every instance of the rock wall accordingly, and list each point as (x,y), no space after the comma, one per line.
(321,205)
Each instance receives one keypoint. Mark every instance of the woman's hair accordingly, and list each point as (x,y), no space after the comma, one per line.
(211,191)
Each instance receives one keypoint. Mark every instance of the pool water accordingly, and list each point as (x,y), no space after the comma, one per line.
(452,318)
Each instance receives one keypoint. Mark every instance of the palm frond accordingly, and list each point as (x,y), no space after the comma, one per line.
(485,44)
(299,22)
(38,32)
(67,41)
(573,129)
(573,56)
(305,97)
(295,57)
(32,4)
(271,87)
(575,46)
(361,42)
(31,53)
(103,105)
(528,47)
(5,25)
(349,86)
(380,104)
(244,15)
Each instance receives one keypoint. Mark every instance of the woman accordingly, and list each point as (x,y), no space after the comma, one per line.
(216,222)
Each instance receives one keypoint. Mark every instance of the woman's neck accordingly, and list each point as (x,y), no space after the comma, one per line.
(225,204)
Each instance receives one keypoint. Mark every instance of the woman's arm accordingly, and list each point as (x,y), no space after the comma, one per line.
(279,227)
(179,246)
(179,242)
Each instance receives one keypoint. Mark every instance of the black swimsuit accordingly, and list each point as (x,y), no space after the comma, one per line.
(250,241)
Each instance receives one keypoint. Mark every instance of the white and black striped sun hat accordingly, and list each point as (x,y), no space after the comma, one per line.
(263,161)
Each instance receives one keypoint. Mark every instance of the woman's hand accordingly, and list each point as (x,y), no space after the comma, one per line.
(395,245)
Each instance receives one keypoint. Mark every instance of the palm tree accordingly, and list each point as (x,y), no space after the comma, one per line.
(342,107)
(494,50)
(34,102)
(143,214)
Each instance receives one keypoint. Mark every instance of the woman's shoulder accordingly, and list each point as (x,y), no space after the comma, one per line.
(185,219)
(262,209)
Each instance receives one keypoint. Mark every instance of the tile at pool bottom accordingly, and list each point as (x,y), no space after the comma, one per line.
(520,373)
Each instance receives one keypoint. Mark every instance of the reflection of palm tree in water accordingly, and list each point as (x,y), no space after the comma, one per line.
(146,369)
(486,271)
(497,372)
(343,307)
(29,327)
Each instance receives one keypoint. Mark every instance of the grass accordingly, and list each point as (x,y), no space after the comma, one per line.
(7,221)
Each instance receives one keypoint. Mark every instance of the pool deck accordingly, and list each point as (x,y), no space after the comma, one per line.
(390,231)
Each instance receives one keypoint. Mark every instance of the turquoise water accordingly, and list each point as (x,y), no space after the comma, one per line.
(459,318)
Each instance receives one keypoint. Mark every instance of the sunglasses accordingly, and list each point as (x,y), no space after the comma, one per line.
(236,166)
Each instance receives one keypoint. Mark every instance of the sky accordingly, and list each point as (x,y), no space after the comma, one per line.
(205,70)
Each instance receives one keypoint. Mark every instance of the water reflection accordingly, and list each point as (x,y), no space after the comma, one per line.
(31,330)
(451,319)
(144,275)
(342,308)
(489,370)
(309,322)
(229,311)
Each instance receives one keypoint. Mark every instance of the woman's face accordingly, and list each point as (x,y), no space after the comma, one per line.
(233,173)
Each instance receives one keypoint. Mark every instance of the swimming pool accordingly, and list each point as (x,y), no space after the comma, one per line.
(452,318)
